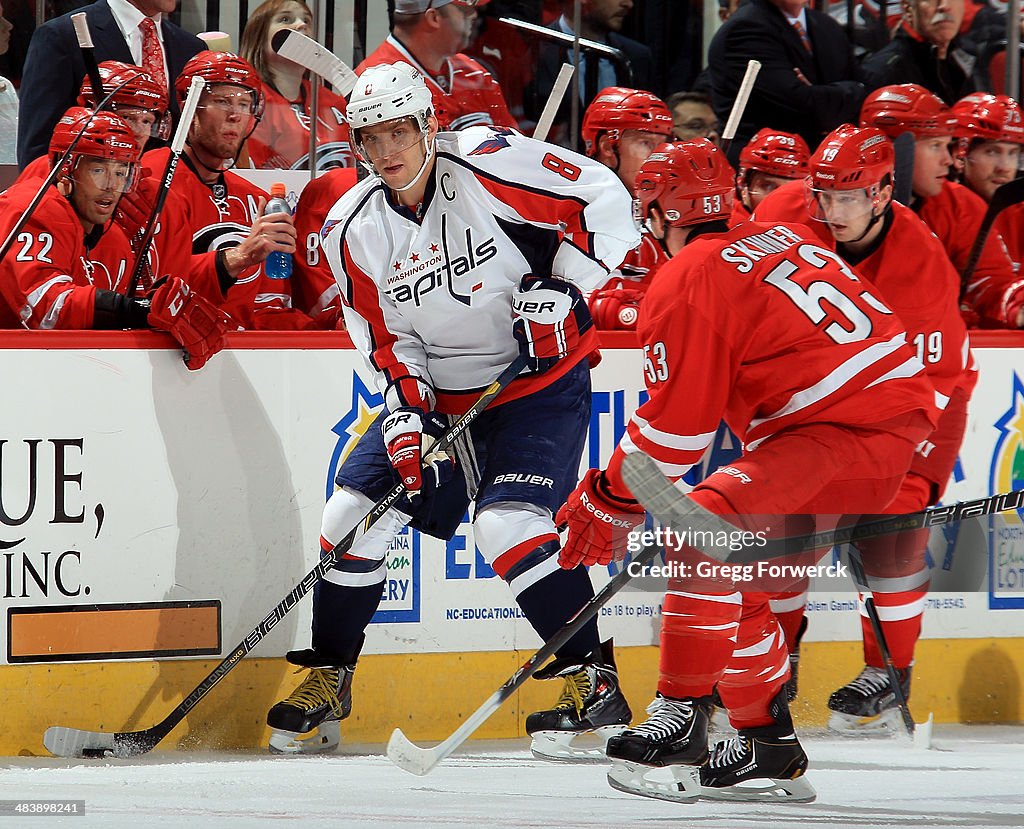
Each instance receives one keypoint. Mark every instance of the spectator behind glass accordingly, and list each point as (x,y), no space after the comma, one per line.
(281,139)
(925,50)
(600,20)
(693,117)
(429,35)
(806,88)
(54,67)
(8,101)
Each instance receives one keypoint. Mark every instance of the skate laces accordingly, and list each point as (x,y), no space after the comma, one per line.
(728,752)
(870,681)
(319,688)
(576,689)
(667,716)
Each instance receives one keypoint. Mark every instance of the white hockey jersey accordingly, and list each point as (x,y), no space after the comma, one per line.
(432,298)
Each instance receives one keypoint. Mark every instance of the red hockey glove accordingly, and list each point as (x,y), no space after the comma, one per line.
(192,320)
(615,307)
(599,523)
(408,434)
(134,208)
(548,318)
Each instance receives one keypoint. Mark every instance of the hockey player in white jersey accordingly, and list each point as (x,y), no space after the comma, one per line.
(433,253)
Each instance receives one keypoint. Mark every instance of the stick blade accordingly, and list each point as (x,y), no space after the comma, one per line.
(409,756)
(307,53)
(652,489)
(74,742)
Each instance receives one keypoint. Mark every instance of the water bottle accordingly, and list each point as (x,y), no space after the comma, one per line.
(279,263)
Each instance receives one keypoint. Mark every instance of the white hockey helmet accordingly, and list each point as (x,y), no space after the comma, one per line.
(389,91)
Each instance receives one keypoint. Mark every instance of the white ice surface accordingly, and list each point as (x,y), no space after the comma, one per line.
(972,779)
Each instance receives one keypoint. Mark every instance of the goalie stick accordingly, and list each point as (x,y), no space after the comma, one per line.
(1006,195)
(74,742)
(318,59)
(188,111)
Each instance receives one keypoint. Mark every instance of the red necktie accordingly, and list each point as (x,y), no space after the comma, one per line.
(152,54)
(800,30)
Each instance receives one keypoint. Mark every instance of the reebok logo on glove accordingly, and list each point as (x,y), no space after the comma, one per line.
(603,516)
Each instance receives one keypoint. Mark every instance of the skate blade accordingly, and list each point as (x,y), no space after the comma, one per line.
(765,790)
(325,738)
(683,785)
(574,746)
(887,724)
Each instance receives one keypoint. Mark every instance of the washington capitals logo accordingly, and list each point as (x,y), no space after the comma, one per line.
(329,225)
(496,142)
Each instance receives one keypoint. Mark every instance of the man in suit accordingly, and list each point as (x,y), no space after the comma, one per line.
(809,81)
(54,67)
(600,20)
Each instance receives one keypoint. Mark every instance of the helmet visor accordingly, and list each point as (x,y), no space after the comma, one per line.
(841,207)
(105,174)
(388,139)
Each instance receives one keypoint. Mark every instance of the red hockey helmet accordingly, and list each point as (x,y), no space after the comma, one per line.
(618,108)
(776,154)
(990,118)
(907,107)
(135,89)
(852,157)
(222,68)
(103,135)
(690,181)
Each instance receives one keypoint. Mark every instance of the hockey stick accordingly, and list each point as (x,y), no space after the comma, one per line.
(547,115)
(740,104)
(417,760)
(73,742)
(309,54)
(54,172)
(672,508)
(921,736)
(88,53)
(1006,195)
(903,191)
(188,112)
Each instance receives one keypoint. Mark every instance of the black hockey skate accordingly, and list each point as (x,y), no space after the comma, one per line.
(867,706)
(761,764)
(321,701)
(591,706)
(674,736)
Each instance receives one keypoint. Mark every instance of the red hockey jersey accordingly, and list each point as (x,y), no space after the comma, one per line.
(765,329)
(315,289)
(955,216)
(46,277)
(465,94)
(281,139)
(220,216)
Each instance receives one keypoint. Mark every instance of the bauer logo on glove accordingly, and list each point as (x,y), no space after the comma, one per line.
(548,318)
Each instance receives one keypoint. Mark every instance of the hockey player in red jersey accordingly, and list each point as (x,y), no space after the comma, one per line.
(230,238)
(992,299)
(429,35)
(621,127)
(769,160)
(990,132)
(48,281)
(281,139)
(449,271)
(770,331)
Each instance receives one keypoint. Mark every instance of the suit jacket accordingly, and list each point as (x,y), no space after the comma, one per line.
(54,70)
(780,100)
(551,56)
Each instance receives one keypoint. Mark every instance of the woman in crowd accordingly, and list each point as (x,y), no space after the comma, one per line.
(281,141)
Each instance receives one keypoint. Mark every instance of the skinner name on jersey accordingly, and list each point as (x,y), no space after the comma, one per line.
(743,253)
